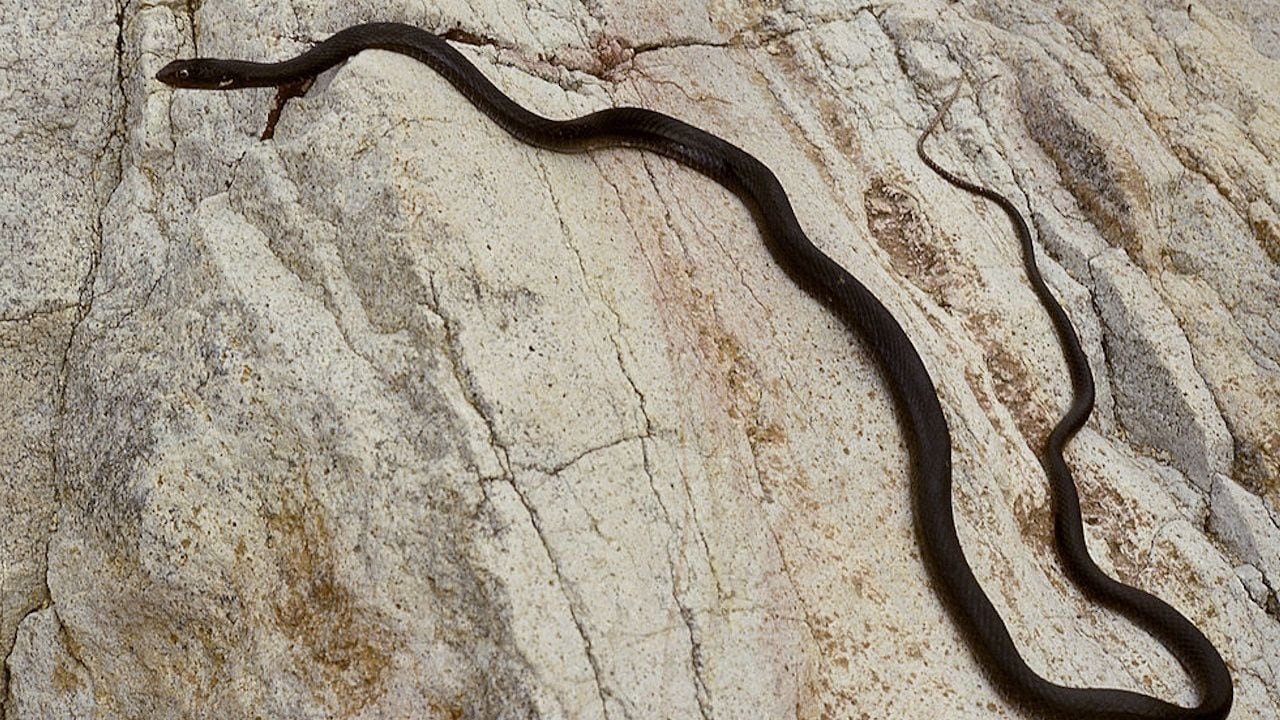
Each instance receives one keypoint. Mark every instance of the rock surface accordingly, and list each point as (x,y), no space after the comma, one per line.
(396,416)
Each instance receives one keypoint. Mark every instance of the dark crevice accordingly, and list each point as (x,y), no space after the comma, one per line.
(453,354)
(83,307)
(602,692)
(193,7)
(702,688)
(44,312)
(452,349)
(466,37)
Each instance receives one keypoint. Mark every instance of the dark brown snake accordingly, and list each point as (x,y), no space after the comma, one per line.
(912,388)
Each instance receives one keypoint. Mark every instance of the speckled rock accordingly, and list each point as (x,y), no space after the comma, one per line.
(1159,396)
(60,107)
(393,415)
(1251,530)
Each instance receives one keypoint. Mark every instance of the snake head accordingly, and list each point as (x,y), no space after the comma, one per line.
(199,74)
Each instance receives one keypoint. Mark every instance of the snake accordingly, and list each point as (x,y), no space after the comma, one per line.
(915,398)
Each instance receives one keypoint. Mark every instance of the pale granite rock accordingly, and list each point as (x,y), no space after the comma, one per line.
(1251,530)
(1159,396)
(393,415)
(48,680)
(59,111)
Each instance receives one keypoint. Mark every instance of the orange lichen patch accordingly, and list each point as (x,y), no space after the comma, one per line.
(740,377)
(895,219)
(974,380)
(1014,385)
(1255,430)
(809,695)
(1035,521)
(445,712)
(739,373)
(1254,464)
(834,116)
(745,391)
(842,656)
(771,434)
(1266,229)
(347,645)
(65,680)
(1115,519)
(1015,389)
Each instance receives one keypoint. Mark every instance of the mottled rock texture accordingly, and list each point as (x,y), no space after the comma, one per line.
(395,416)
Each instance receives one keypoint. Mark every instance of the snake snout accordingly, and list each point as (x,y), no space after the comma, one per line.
(191,74)
(170,74)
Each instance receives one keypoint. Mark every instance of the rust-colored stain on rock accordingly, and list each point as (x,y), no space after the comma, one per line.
(343,642)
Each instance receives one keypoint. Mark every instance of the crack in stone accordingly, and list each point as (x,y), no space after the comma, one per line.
(697,521)
(600,296)
(730,258)
(807,615)
(84,304)
(622,206)
(677,44)
(794,125)
(452,352)
(663,82)
(573,602)
(702,688)
(83,307)
(188,8)
(561,467)
(1270,602)
(1149,553)
(69,643)
(119,322)
(1107,363)
(594,10)
(613,71)
(38,314)
(702,693)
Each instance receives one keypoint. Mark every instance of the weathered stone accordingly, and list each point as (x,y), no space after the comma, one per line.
(48,679)
(1249,529)
(395,415)
(1160,398)
(59,112)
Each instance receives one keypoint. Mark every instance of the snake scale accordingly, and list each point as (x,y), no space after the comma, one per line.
(915,397)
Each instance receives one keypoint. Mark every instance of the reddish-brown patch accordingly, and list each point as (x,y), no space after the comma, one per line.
(897,223)
(344,643)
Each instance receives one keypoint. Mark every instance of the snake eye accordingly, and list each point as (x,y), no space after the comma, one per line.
(184,73)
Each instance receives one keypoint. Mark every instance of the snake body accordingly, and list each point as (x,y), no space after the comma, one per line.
(1197,655)
(901,367)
